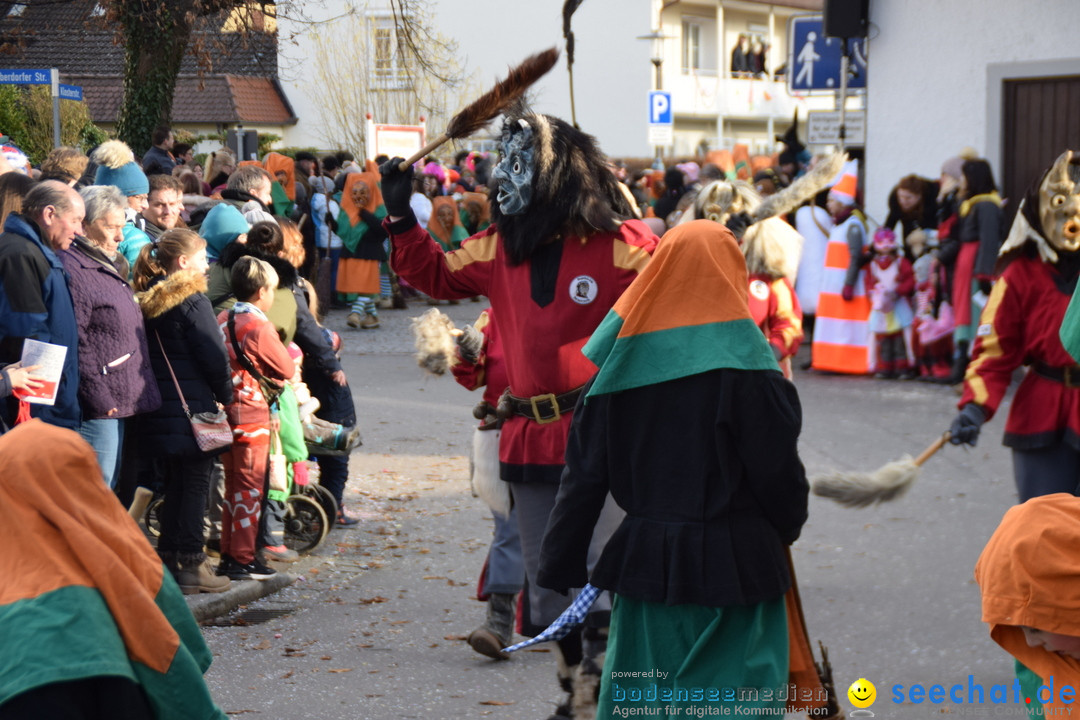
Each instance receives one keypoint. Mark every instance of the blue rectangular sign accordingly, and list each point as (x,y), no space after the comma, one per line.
(815,59)
(71,92)
(25,77)
(660,112)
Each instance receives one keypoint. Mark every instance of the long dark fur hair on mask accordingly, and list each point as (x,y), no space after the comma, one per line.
(573,193)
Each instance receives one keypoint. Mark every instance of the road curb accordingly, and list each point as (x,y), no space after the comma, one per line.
(207,606)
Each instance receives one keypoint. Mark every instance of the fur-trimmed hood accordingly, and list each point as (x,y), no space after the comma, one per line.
(170,291)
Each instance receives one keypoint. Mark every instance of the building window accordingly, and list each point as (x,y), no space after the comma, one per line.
(691,49)
(17,10)
(388,63)
(699,49)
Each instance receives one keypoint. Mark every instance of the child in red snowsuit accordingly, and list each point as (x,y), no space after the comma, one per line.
(254,350)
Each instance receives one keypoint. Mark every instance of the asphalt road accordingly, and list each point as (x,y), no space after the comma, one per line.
(375,626)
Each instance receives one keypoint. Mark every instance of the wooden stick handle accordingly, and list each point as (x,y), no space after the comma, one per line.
(929,452)
(429,148)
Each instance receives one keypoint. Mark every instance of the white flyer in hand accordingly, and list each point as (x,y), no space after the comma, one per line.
(50,361)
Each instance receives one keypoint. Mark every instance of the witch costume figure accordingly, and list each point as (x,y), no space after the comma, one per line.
(561,249)
(698,567)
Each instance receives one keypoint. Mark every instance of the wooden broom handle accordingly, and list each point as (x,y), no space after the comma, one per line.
(429,148)
(929,452)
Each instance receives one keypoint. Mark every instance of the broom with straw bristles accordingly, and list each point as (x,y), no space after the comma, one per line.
(852,489)
(492,103)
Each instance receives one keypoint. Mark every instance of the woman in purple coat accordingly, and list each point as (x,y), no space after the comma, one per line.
(115,378)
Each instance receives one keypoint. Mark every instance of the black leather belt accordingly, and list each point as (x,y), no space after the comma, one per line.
(546,408)
(1069,376)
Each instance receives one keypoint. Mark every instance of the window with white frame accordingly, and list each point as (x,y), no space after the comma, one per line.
(699,45)
(388,64)
(691,46)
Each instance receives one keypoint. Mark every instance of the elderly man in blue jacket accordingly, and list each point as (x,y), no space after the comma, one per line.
(34,297)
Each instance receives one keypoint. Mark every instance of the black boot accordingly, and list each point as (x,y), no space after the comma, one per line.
(960,363)
(490,638)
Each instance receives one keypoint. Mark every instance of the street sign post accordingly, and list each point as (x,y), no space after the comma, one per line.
(661,120)
(815,60)
(25,77)
(71,92)
(45,77)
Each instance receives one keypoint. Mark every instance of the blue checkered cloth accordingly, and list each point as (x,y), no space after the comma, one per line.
(571,617)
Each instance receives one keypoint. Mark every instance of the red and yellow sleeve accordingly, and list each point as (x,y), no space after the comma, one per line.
(455,275)
(999,348)
(785,318)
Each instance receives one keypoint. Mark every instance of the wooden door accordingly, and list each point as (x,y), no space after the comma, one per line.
(1041,120)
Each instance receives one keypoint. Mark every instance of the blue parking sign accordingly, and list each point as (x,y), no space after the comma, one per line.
(815,59)
(660,112)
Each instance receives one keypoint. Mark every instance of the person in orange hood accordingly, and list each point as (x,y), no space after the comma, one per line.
(1030,592)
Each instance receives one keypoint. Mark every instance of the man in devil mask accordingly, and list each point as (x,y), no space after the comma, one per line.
(1020,326)
(559,252)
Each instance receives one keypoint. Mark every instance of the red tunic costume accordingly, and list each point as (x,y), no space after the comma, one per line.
(542,343)
(1020,326)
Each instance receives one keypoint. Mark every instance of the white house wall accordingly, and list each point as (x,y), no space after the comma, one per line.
(612,72)
(935,74)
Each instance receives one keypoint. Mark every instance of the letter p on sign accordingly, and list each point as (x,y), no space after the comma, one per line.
(660,108)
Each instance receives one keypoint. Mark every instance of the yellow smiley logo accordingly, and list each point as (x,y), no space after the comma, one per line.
(862,693)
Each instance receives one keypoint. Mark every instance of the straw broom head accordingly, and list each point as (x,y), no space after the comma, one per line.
(505,93)
(856,490)
(886,483)
(491,104)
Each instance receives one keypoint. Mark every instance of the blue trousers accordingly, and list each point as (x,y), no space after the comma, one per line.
(106,436)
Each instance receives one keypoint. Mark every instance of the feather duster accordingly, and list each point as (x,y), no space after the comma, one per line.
(491,104)
(436,346)
(802,189)
(113,154)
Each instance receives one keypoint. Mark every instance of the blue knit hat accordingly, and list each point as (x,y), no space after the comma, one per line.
(220,227)
(117,167)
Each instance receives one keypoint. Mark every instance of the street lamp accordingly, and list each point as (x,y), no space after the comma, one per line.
(657,39)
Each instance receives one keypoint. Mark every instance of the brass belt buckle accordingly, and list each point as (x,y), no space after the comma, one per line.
(549,397)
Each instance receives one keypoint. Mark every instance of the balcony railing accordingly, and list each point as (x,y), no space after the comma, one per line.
(708,94)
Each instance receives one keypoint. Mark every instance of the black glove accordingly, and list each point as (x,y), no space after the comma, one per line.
(470,342)
(965,426)
(737,224)
(396,187)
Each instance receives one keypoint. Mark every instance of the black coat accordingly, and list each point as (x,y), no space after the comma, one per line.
(708,472)
(177,310)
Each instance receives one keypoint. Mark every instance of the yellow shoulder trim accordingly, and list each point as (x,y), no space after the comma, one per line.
(629,257)
(991,343)
(481,249)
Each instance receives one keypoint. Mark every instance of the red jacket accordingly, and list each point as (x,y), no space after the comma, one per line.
(776,310)
(542,342)
(259,341)
(1020,326)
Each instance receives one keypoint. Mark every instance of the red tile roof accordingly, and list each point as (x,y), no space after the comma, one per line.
(213,99)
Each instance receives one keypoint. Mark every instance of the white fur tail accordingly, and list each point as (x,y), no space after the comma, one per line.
(436,347)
